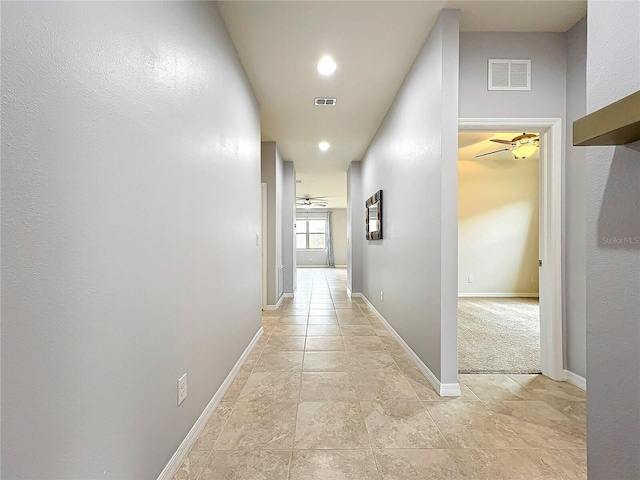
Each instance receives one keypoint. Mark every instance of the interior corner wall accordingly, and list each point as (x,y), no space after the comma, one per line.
(130,208)
(288,230)
(272,175)
(355,227)
(613,251)
(498,226)
(575,244)
(413,160)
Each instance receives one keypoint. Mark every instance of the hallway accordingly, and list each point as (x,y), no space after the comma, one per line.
(328,393)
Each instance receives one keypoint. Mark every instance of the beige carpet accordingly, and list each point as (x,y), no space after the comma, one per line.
(498,335)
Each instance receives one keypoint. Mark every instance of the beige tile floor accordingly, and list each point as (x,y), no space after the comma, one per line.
(327,393)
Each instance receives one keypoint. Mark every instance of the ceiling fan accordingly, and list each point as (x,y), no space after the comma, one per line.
(310,202)
(521,146)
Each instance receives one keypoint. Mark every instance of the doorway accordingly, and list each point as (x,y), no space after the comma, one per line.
(550,238)
(498,252)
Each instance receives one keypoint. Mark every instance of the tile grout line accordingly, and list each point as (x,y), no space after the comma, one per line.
(373,455)
(304,351)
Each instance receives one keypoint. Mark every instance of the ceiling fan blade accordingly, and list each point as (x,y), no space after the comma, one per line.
(505,142)
(523,136)
(490,153)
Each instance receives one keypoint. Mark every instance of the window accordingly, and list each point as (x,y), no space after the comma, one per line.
(310,233)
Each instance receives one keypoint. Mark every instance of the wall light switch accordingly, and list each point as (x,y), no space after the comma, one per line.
(470,279)
(257,240)
(381,296)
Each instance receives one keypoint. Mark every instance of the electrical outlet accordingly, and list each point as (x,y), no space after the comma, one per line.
(182,388)
(470,279)
(381,296)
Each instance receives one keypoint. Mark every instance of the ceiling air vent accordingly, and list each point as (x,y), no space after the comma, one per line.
(325,101)
(509,74)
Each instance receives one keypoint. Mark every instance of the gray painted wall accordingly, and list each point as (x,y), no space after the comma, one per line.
(130,208)
(355,227)
(288,231)
(273,176)
(413,159)
(613,263)
(554,58)
(575,356)
(547,52)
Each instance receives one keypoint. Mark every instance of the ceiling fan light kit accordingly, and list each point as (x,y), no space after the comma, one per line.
(524,151)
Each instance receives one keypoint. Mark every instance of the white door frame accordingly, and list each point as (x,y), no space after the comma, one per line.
(551,202)
(263,191)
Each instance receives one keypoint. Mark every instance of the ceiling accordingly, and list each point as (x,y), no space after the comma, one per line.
(374,45)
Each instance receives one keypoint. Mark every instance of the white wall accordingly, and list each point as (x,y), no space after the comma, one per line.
(413,159)
(288,230)
(574,206)
(498,226)
(553,57)
(339,235)
(130,205)
(273,175)
(613,264)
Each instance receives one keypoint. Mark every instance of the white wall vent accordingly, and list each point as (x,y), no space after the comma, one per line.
(325,102)
(509,74)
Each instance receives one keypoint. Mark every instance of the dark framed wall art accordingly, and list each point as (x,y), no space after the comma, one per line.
(373,216)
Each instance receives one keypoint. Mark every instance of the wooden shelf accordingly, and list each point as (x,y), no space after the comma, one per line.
(615,124)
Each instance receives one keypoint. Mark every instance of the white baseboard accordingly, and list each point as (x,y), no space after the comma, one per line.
(497,295)
(354,295)
(443,389)
(575,379)
(274,307)
(287,295)
(184,448)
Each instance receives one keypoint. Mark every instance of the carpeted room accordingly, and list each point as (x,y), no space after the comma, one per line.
(498,238)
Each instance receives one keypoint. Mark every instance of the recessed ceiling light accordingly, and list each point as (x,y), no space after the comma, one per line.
(326,65)
(324,146)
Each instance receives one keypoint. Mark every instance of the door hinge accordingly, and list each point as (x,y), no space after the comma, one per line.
(539,263)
